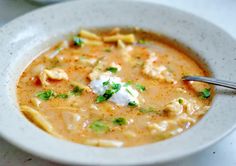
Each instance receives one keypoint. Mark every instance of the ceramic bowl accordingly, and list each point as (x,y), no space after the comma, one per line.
(25,37)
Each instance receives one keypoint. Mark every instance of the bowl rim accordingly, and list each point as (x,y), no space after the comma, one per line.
(19,144)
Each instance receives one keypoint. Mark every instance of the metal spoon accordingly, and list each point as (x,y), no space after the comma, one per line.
(209,80)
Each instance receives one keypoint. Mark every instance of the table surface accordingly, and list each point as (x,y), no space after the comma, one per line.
(219,12)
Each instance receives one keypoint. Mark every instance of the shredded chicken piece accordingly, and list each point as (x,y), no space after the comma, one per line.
(190,106)
(181,105)
(43,78)
(174,108)
(159,72)
(90,61)
(55,74)
(85,87)
(97,70)
(184,118)
(157,127)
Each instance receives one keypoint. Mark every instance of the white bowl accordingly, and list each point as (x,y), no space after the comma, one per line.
(22,40)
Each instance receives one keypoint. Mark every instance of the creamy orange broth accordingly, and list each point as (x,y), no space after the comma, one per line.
(165,108)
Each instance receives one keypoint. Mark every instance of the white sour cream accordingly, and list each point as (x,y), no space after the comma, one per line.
(125,95)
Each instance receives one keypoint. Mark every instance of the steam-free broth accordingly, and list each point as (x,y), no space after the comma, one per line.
(113,88)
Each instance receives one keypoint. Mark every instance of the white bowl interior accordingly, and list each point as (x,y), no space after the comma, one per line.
(24,38)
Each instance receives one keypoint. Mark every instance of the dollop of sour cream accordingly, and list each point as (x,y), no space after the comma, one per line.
(123,97)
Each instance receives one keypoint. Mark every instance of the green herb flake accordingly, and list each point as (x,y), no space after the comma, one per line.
(106,83)
(107,50)
(108,93)
(141,41)
(100,99)
(78,41)
(115,87)
(76,91)
(112,69)
(132,104)
(147,110)
(140,87)
(62,96)
(127,83)
(129,91)
(181,101)
(99,127)
(206,93)
(45,95)
(119,121)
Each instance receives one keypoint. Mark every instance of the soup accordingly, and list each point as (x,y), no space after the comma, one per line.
(113,88)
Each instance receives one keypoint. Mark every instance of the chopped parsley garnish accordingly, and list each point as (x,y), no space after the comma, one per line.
(129,91)
(106,83)
(99,127)
(132,104)
(76,91)
(107,50)
(78,41)
(100,99)
(141,41)
(146,110)
(45,95)
(112,69)
(62,96)
(206,93)
(140,87)
(119,121)
(113,88)
(181,101)
(127,83)
(108,93)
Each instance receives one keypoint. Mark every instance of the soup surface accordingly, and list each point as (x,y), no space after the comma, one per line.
(113,88)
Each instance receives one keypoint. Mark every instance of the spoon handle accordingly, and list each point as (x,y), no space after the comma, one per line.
(209,80)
